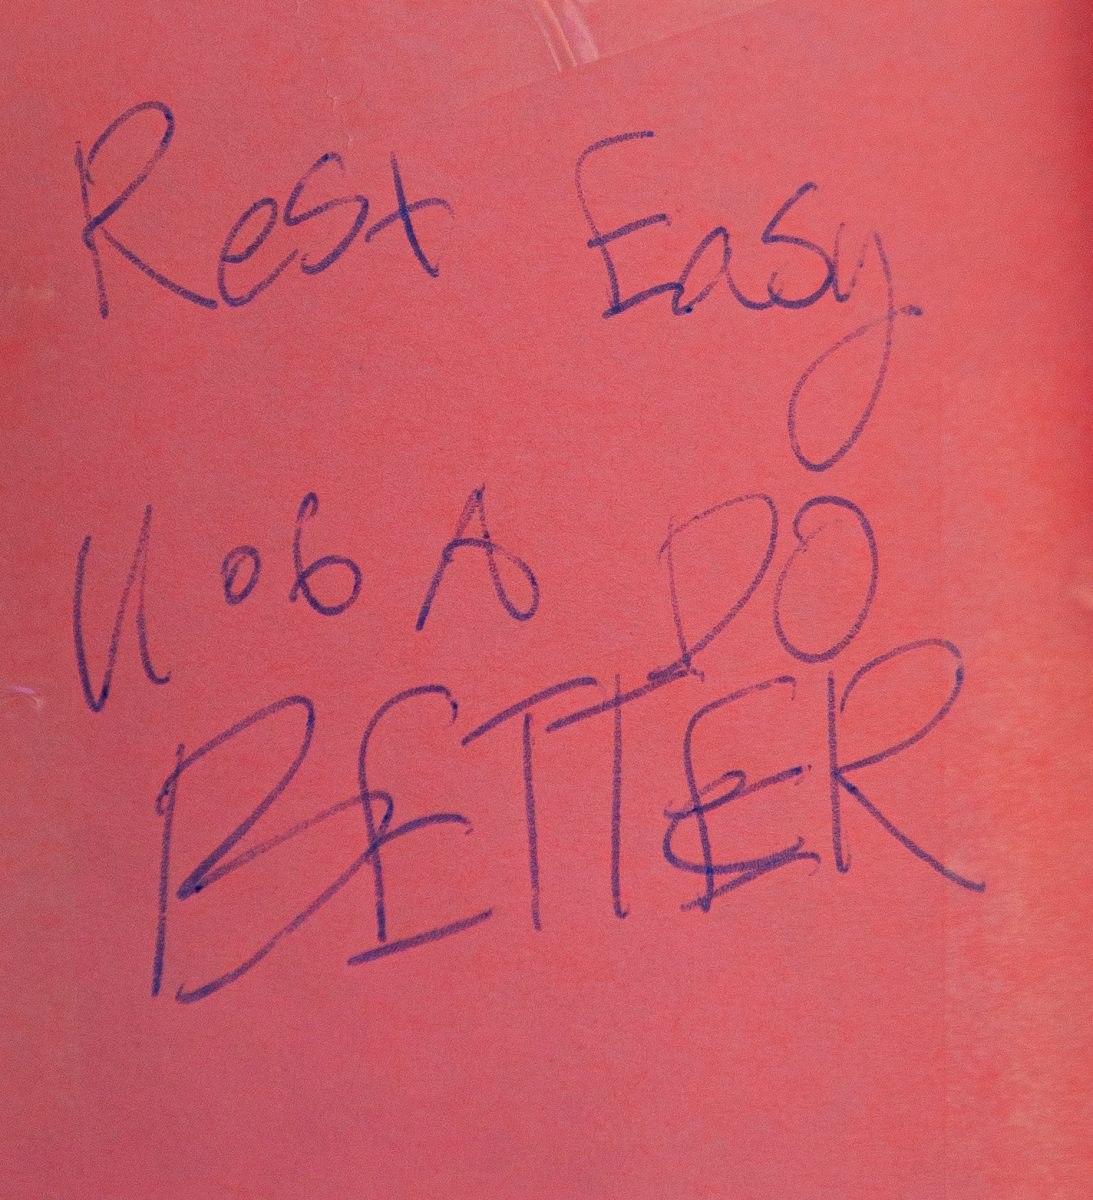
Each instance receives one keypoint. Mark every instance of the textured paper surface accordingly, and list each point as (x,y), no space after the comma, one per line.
(471,731)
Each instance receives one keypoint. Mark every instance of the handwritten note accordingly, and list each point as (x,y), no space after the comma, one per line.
(547,594)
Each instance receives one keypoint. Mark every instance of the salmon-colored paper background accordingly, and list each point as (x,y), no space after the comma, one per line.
(878,1033)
